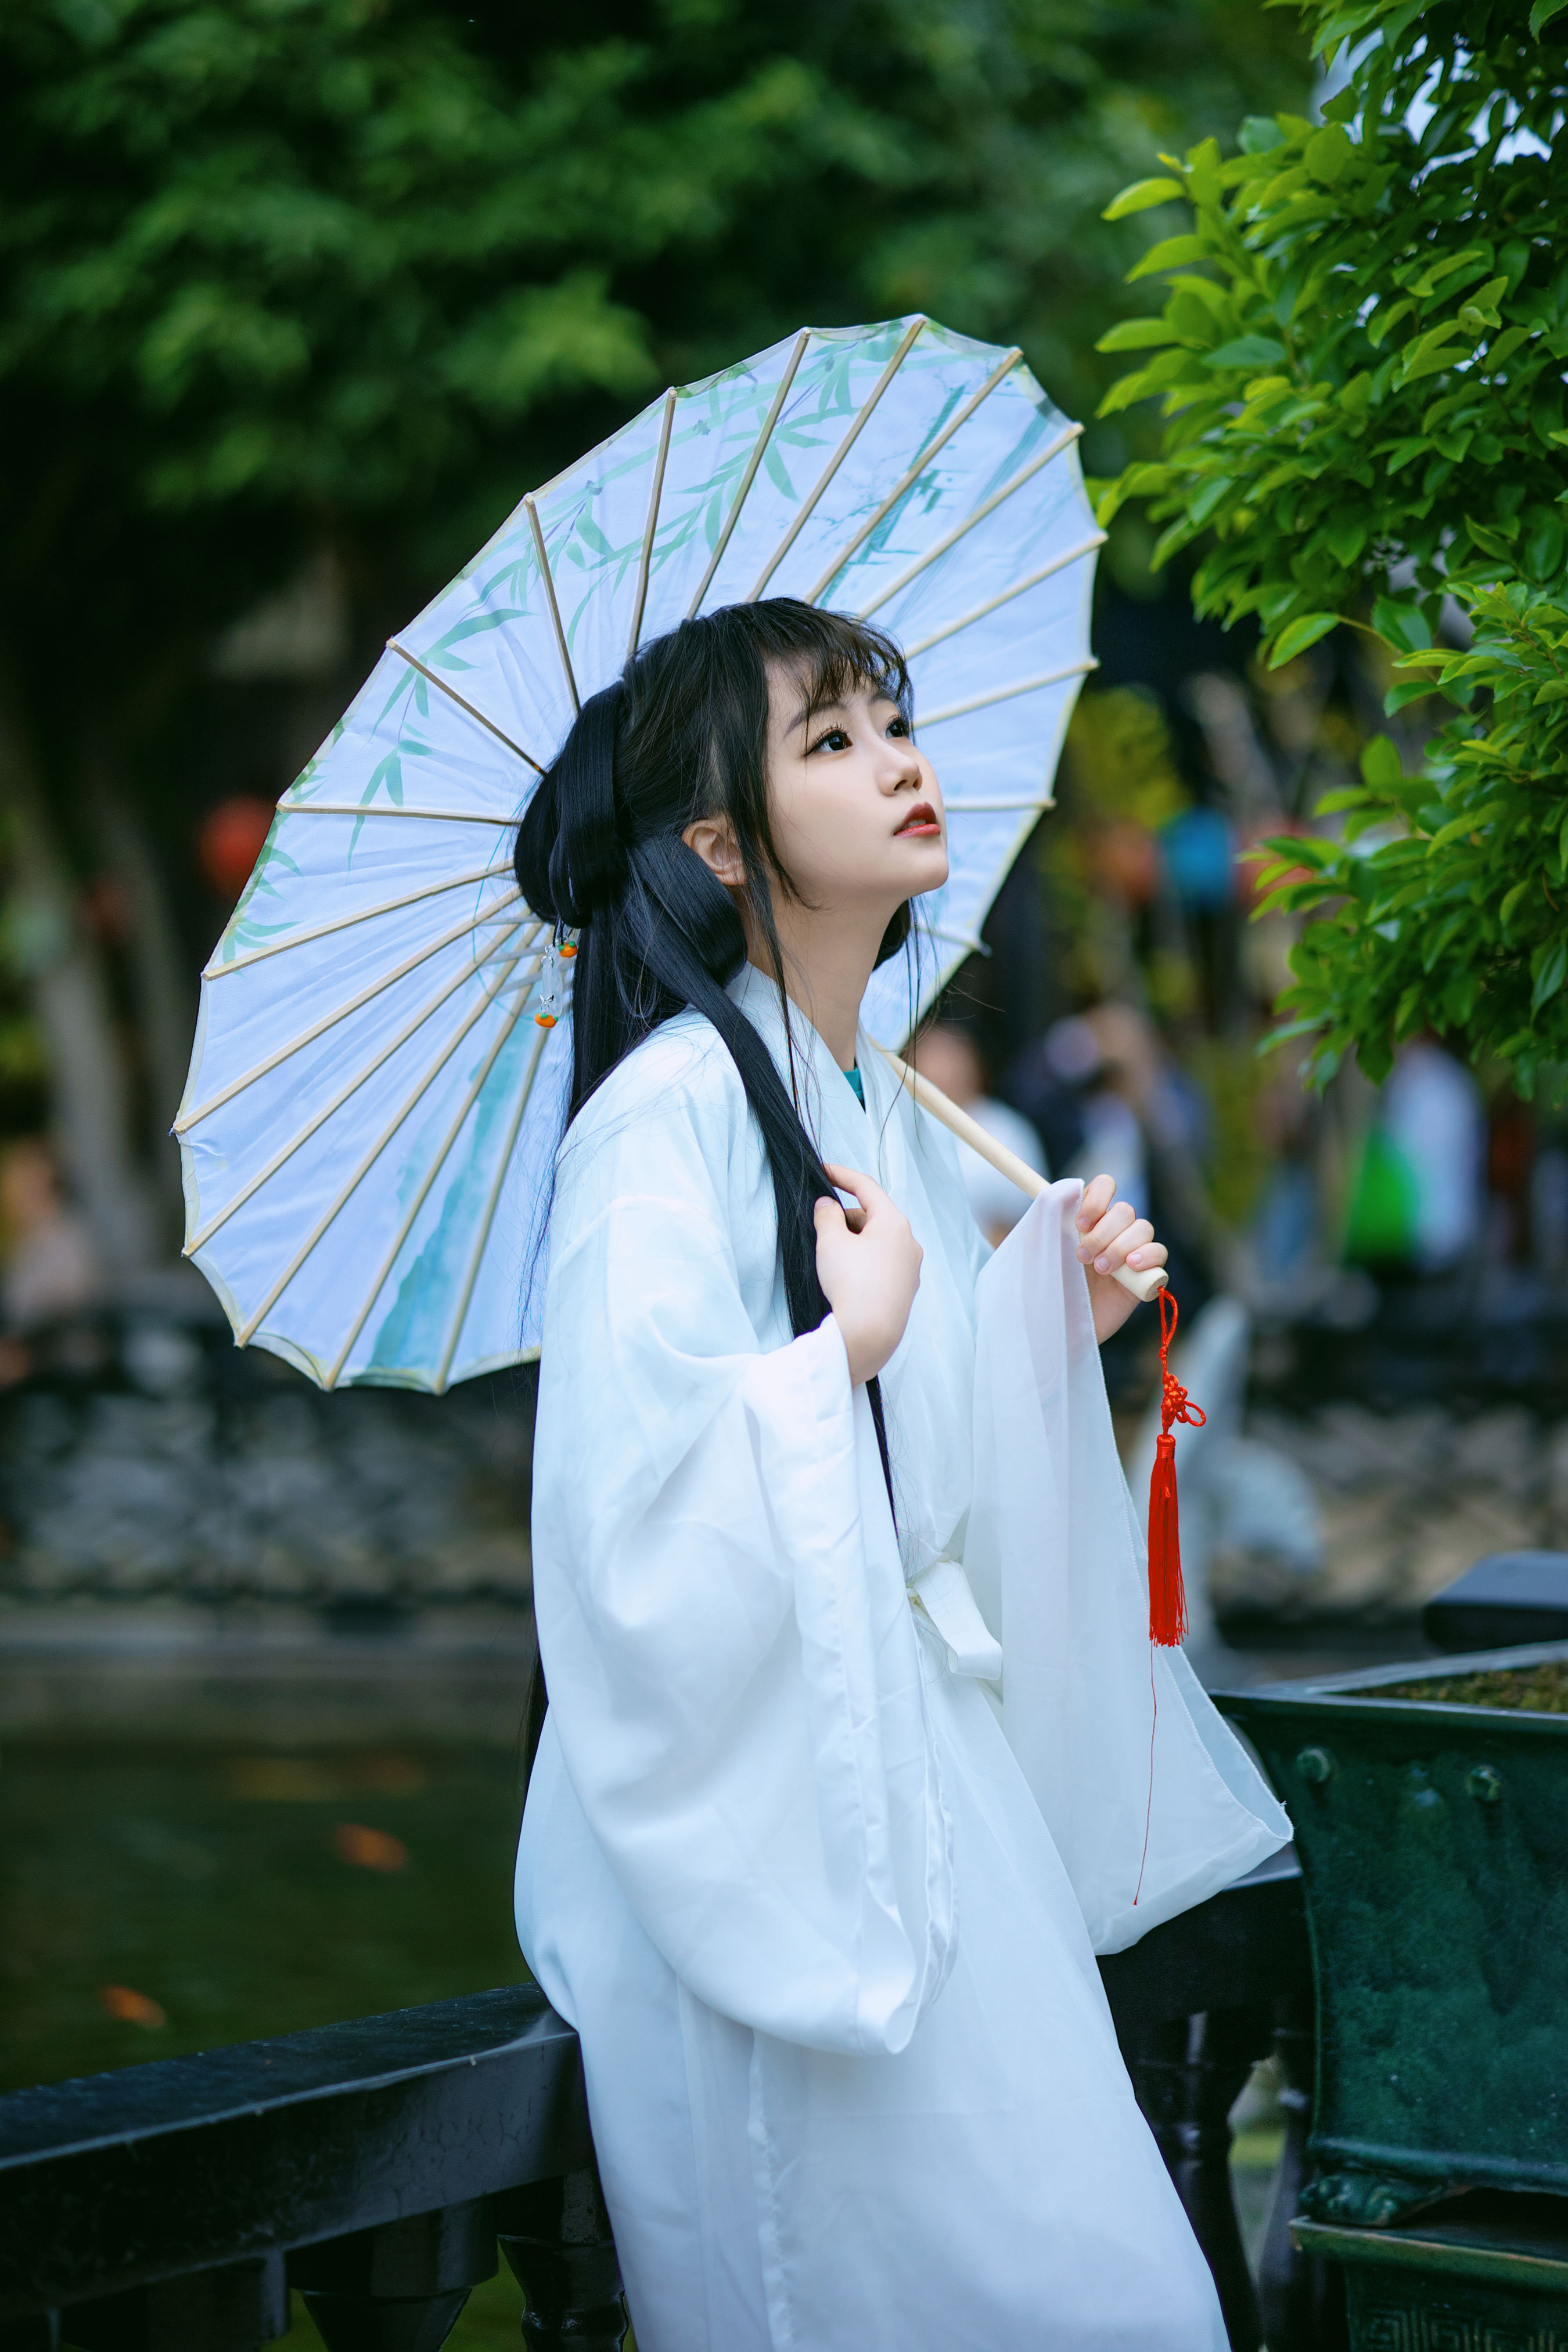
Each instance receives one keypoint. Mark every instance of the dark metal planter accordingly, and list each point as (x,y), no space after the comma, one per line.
(1434,1848)
(1496,2283)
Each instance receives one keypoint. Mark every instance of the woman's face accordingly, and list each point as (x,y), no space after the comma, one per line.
(857,810)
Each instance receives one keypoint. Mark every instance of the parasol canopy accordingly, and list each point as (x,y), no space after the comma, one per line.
(368,1128)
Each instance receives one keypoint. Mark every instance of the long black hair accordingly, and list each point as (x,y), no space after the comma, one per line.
(683,734)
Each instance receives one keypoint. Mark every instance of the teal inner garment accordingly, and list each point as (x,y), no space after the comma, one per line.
(858,1083)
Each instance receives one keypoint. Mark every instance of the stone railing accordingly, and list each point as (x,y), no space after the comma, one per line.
(381,2168)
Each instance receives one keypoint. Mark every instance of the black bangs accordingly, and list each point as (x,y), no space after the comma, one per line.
(831,654)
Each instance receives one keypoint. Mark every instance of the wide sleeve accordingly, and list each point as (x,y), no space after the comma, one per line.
(727,1638)
(1152,1800)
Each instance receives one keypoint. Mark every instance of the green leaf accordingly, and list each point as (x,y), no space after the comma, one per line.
(1546,407)
(1383,322)
(1542,13)
(1326,156)
(1503,347)
(1209,494)
(1543,545)
(1346,536)
(1260,133)
(1405,625)
(1381,764)
(1140,481)
(1548,967)
(1449,265)
(1491,542)
(1137,335)
(1429,352)
(1140,196)
(1160,371)
(1486,298)
(1405,453)
(1171,253)
(1246,351)
(1299,634)
(1398,697)
(1512,899)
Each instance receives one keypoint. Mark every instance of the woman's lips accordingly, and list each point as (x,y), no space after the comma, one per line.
(921,818)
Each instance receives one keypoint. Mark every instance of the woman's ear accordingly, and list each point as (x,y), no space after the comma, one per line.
(713,839)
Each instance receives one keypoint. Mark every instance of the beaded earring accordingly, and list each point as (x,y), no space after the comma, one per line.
(561,950)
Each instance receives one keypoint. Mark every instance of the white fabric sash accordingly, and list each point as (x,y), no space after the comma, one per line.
(942,1591)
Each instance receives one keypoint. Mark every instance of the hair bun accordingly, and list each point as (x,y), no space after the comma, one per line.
(571,859)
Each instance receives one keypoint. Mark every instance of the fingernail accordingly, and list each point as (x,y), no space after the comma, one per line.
(1102,1266)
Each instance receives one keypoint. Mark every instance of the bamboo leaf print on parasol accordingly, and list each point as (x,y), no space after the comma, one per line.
(368,1127)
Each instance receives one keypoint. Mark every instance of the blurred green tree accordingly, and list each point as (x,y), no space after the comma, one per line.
(280,276)
(1359,360)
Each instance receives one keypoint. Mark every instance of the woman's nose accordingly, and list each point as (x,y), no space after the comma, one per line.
(902,771)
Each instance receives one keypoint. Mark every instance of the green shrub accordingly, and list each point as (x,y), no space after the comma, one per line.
(1360,365)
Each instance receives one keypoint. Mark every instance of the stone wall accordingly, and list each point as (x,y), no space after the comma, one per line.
(185,1470)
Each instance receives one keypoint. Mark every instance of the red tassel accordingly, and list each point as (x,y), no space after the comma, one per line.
(1167,1596)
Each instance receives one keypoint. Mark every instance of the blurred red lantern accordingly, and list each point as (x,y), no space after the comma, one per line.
(229,839)
(1124,858)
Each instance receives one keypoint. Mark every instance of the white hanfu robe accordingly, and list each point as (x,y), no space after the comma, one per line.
(823,1909)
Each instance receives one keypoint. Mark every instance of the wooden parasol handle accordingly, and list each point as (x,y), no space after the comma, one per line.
(1143,1286)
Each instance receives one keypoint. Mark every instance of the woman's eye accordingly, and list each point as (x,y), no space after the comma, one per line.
(835,739)
(900,728)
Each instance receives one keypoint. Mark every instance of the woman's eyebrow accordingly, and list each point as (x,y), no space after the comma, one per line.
(810,712)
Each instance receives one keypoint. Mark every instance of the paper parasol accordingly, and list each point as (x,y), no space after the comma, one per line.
(368,1127)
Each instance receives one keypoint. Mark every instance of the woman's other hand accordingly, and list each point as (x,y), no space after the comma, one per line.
(868,1263)
(1110,1236)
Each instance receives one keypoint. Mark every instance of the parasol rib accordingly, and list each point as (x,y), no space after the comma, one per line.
(1142,1281)
(907,341)
(462,702)
(477,1257)
(976,808)
(986,507)
(422,1194)
(345,1094)
(1004,693)
(750,476)
(187,1120)
(391,808)
(1046,570)
(934,449)
(246,1331)
(652,523)
(969,940)
(545,574)
(215,970)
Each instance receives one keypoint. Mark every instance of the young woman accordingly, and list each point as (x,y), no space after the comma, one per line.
(845,1775)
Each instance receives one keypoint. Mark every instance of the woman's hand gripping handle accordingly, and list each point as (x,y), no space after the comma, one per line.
(1119,1255)
(868,1263)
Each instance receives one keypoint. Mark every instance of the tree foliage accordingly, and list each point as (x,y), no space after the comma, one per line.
(1359,360)
(276,270)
